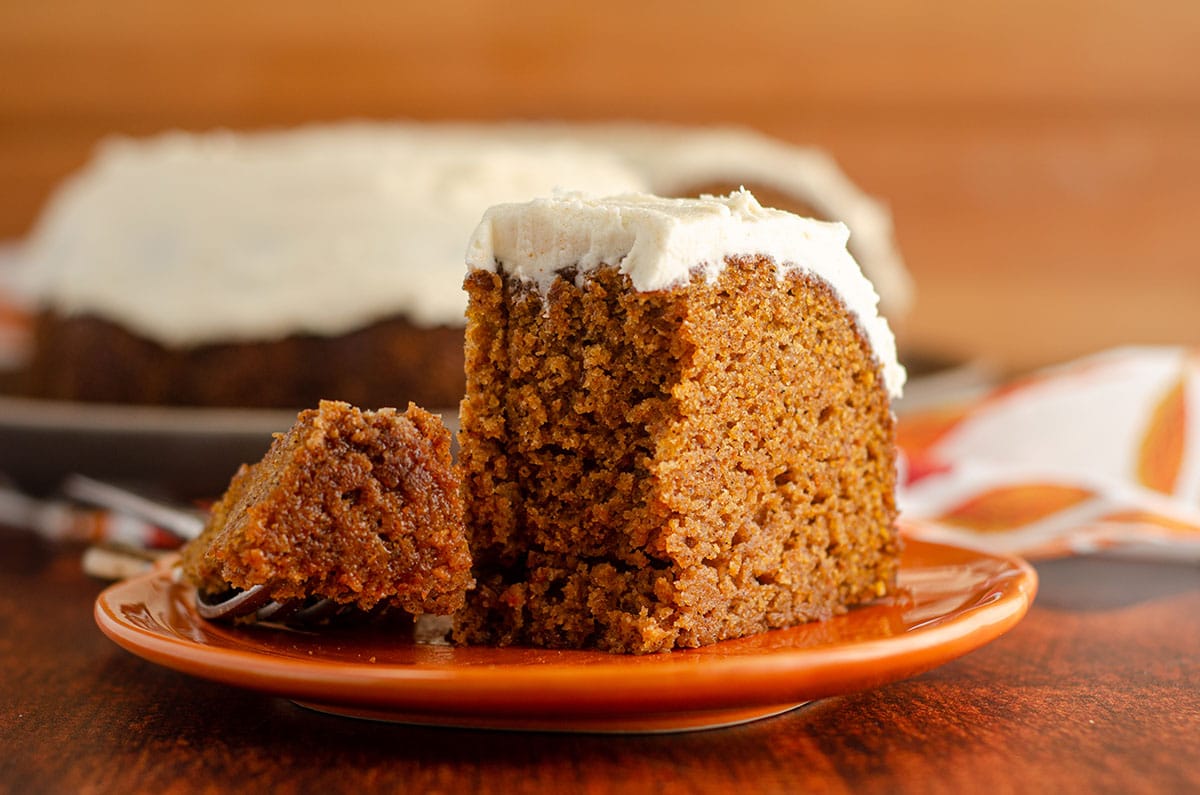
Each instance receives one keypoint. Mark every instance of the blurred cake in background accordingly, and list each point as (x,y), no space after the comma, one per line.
(275,269)
(691,161)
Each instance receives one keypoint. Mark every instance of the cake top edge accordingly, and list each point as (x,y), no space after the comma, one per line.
(333,226)
(661,243)
(192,239)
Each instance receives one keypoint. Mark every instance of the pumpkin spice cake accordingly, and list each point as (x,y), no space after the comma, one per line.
(357,507)
(677,426)
(276,268)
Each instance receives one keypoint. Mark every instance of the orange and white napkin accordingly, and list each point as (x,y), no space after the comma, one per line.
(1102,454)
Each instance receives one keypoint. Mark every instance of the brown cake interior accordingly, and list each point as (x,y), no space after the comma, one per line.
(360,507)
(645,471)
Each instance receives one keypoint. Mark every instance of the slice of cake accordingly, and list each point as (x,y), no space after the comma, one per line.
(357,507)
(677,426)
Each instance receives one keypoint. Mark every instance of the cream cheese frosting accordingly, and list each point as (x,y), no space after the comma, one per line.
(190,239)
(193,238)
(674,159)
(662,243)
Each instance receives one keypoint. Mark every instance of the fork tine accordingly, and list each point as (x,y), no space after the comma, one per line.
(240,604)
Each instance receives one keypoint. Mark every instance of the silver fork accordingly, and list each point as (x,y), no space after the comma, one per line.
(257,601)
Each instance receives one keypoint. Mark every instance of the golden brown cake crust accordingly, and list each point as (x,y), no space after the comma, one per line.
(646,471)
(89,359)
(361,507)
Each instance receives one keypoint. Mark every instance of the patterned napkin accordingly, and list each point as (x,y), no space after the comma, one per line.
(1102,454)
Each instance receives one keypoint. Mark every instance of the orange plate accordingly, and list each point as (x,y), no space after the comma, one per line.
(949,602)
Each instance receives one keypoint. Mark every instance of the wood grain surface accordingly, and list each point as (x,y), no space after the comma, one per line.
(1040,157)
(1097,690)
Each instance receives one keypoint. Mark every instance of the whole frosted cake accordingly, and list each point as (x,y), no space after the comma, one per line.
(280,268)
(677,427)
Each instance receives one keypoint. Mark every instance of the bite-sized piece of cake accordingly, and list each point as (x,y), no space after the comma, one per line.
(677,426)
(358,507)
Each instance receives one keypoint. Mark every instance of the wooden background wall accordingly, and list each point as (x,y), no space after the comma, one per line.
(1042,158)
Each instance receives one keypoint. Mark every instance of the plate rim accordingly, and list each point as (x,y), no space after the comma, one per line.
(621,685)
(66,416)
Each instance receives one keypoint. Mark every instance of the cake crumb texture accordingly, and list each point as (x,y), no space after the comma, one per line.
(361,507)
(645,471)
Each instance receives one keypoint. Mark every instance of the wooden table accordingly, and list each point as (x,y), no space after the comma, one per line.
(1097,690)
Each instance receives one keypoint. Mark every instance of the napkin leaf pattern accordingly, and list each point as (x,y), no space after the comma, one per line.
(1100,454)
(1161,455)
(1012,507)
(1157,521)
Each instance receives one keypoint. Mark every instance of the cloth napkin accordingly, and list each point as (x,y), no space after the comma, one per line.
(1101,454)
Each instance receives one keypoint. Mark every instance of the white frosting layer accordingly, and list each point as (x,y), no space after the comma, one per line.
(191,239)
(674,159)
(197,238)
(661,243)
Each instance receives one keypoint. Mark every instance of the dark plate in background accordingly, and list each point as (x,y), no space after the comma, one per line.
(192,452)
